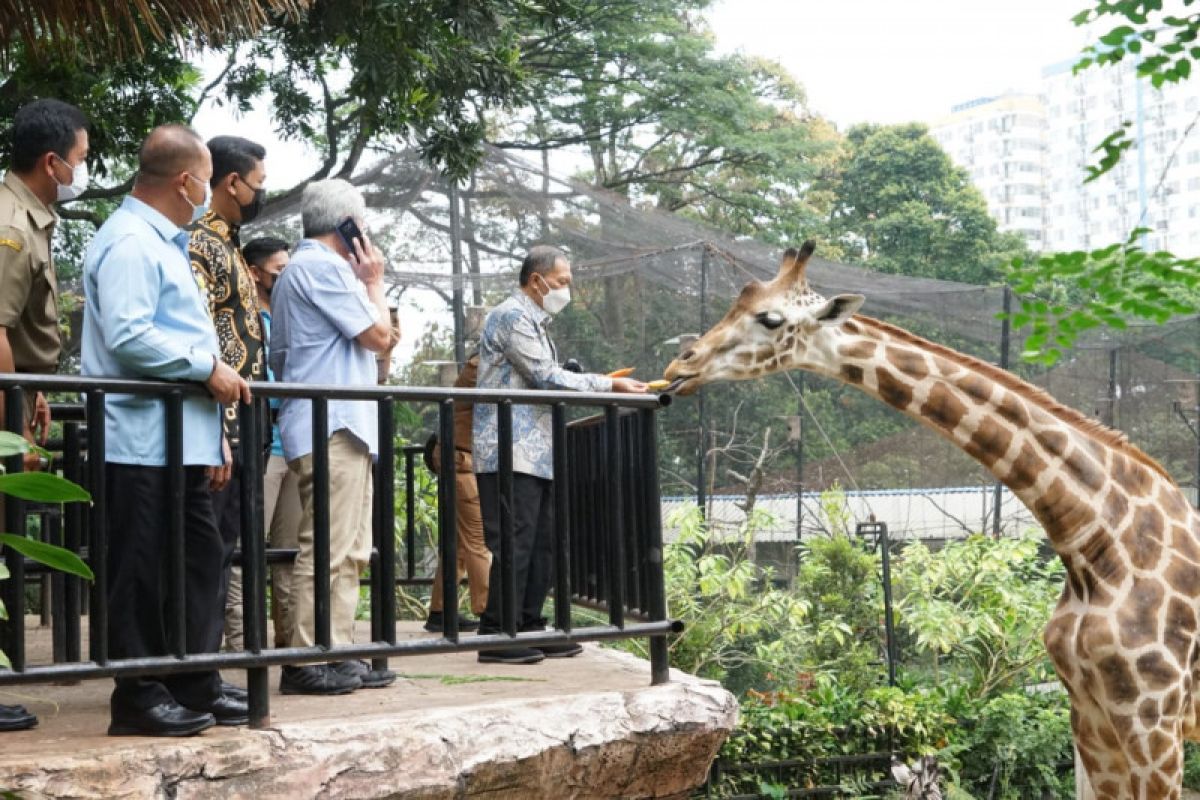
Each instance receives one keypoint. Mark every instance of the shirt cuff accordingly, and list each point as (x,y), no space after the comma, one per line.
(201,365)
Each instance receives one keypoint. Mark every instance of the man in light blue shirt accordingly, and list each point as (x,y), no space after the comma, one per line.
(145,317)
(329,317)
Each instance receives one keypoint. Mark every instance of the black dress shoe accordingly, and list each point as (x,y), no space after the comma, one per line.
(167,719)
(226,710)
(233,690)
(435,622)
(317,679)
(16,718)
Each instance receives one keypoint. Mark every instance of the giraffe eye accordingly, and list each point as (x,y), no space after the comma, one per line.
(770,319)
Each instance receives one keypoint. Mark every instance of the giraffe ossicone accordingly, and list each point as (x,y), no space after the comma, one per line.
(1123,637)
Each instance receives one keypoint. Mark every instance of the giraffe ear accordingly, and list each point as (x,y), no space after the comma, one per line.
(839,309)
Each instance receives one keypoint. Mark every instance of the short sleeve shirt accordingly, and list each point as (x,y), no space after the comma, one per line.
(28,284)
(318,309)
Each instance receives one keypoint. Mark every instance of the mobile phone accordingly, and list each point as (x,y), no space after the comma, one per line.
(349,231)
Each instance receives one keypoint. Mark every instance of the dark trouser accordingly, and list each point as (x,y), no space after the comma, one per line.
(139,581)
(533,547)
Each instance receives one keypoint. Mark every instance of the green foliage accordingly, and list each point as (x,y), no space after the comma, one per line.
(901,206)
(1063,295)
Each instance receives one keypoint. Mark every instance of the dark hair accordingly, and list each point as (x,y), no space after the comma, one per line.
(233,154)
(256,251)
(168,150)
(541,259)
(44,126)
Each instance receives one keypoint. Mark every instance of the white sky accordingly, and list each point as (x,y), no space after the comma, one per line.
(894,61)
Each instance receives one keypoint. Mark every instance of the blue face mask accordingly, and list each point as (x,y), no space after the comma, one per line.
(199,211)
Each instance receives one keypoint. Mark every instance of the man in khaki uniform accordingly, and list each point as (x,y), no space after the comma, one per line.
(49,165)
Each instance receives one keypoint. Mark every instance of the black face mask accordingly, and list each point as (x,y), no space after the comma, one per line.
(252,209)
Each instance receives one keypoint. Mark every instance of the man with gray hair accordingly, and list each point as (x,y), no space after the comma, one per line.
(329,318)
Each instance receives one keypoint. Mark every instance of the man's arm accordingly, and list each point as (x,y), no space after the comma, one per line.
(368,265)
(525,350)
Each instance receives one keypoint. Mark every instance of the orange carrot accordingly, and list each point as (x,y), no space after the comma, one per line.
(622,373)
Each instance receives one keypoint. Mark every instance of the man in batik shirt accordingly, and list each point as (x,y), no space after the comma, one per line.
(222,272)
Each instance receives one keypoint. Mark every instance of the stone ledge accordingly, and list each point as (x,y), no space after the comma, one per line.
(629,742)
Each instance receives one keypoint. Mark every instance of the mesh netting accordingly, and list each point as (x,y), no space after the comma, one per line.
(642,275)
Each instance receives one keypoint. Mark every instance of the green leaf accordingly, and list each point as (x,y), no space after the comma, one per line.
(51,555)
(11,444)
(43,487)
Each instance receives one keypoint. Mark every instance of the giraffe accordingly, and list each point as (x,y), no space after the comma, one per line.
(1123,637)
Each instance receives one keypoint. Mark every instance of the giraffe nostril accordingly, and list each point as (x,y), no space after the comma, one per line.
(687,355)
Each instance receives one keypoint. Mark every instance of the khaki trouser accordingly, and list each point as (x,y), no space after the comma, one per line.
(474,558)
(281,515)
(350,494)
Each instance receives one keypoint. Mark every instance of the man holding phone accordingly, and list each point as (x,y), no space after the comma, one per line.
(329,318)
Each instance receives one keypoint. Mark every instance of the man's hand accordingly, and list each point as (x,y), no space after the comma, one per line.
(219,476)
(226,386)
(629,386)
(41,419)
(367,261)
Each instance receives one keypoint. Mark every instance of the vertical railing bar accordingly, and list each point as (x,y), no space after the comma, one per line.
(320,434)
(616,518)
(72,526)
(448,520)
(97,528)
(177,570)
(385,495)
(508,583)
(657,601)
(562,519)
(53,530)
(253,566)
(14,522)
(410,516)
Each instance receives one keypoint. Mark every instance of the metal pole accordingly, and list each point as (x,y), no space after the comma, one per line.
(702,418)
(460,351)
(660,666)
(799,455)
(889,628)
(1005,346)
(1113,417)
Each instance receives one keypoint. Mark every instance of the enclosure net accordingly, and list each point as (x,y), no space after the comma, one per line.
(643,276)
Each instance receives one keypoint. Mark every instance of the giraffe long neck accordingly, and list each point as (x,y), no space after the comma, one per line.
(1055,460)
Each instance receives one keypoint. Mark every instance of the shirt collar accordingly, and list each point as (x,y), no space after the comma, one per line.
(168,230)
(39,212)
(540,315)
(215,223)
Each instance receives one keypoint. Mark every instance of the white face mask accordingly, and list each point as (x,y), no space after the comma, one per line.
(78,184)
(199,211)
(555,300)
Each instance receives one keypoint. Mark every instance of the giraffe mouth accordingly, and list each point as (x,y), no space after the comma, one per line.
(677,386)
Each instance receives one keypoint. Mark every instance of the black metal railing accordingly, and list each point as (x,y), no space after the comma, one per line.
(609,537)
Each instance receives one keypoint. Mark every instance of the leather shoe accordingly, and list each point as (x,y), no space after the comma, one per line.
(233,690)
(16,718)
(226,710)
(166,719)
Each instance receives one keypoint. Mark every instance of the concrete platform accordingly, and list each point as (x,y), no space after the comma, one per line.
(589,726)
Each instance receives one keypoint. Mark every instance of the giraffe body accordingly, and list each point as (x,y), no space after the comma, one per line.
(1123,637)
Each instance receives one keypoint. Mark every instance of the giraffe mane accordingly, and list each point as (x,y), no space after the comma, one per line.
(1039,397)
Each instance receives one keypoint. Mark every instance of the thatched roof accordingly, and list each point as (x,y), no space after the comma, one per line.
(118,28)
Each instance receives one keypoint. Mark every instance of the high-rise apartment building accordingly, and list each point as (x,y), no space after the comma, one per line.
(1029,155)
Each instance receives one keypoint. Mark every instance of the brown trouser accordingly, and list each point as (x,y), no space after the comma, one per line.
(474,558)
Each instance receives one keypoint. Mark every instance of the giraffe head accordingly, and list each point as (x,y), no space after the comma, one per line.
(772,327)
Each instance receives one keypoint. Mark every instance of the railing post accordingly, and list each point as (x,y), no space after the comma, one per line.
(176,568)
(410,516)
(385,545)
(72,528)
(615,527)
(320,457)
(562,520)
(254,569)
(448,520)
(97,528)
(14,522)
(508,578)
(660,667)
